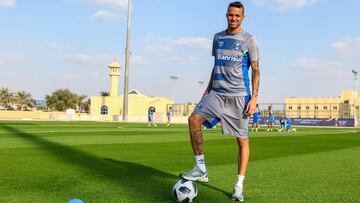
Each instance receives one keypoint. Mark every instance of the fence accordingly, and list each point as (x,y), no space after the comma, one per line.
(293,110)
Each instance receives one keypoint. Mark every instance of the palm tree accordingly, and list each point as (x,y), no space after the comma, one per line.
(80,102)
(104,93)
(86,105)
(6,97)
(24,100)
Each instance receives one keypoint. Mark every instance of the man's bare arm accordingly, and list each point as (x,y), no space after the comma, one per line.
(255,81)
(210,83)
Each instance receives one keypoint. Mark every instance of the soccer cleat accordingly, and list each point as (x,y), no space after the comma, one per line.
(195,175)
(238,193)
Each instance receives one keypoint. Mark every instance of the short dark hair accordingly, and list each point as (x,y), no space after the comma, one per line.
(237,4)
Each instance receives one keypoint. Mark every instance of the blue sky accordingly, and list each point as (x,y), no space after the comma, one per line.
(308,47)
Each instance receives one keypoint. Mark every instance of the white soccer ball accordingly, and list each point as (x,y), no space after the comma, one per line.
(184,191)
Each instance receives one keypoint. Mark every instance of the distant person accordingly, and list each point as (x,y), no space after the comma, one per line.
(151,111)
(256,117)
(271,120)
(169,114)
(227,98)
(285,125)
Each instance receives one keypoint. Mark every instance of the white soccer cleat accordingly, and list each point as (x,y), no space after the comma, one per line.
(238,193)
(195,175)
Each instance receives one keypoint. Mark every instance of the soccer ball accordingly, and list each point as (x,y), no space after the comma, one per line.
(184,191)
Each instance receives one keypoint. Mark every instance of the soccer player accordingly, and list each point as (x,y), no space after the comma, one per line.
(285,125)
(256,117)
(227,99)
(282,125)
(169,113)
(271,120)
(151,111)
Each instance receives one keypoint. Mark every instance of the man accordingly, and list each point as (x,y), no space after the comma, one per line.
(151,111)
(285,125)
(228,97)
(282,125)
(169,113)
(271,120)
(256,117)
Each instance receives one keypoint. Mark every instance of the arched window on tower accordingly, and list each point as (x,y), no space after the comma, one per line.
(104,110)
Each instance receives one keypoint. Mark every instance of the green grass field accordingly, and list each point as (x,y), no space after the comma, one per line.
(120,162)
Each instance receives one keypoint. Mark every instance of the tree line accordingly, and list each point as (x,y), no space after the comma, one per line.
(20,100)
(59,100)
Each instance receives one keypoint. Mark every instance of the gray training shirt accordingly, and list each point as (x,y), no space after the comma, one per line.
(233,55)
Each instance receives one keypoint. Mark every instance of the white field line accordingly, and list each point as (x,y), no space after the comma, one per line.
(269,134)
(85,131)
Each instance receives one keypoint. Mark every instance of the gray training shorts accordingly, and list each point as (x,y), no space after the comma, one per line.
(229,110)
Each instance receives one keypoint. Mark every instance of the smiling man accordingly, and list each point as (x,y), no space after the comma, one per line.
(228,98)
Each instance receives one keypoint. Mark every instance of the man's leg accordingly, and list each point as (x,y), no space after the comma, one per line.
(243,158)
(196,138)
(199,172)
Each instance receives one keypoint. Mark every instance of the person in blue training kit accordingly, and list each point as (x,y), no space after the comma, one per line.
(169,114)
(228,98)
(271,120)
(151,111)
(256,117)
(285,125)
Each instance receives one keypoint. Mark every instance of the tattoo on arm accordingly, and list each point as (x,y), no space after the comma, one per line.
(210,81)
(255,78)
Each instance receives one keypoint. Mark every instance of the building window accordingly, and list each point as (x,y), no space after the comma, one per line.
(307,108)
(325,107)
(316,108)
(290,107)
(334,107)
(299,107)
(104,110)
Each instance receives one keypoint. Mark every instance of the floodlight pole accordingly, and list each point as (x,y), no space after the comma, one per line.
(127,64)
(174,78)
(355,77)
(201,83)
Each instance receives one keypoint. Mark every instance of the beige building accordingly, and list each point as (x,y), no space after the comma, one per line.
(110,107)
(346,105)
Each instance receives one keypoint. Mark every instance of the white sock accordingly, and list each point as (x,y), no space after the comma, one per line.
(200,162)
(240,180)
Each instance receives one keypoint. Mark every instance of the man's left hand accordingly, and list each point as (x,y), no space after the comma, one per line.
(251,107)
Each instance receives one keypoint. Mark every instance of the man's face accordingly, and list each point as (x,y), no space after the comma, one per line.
(234,17)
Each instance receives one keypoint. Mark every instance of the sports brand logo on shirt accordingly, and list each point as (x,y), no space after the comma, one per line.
(220,43)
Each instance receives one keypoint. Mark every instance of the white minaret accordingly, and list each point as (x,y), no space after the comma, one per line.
(114,78)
